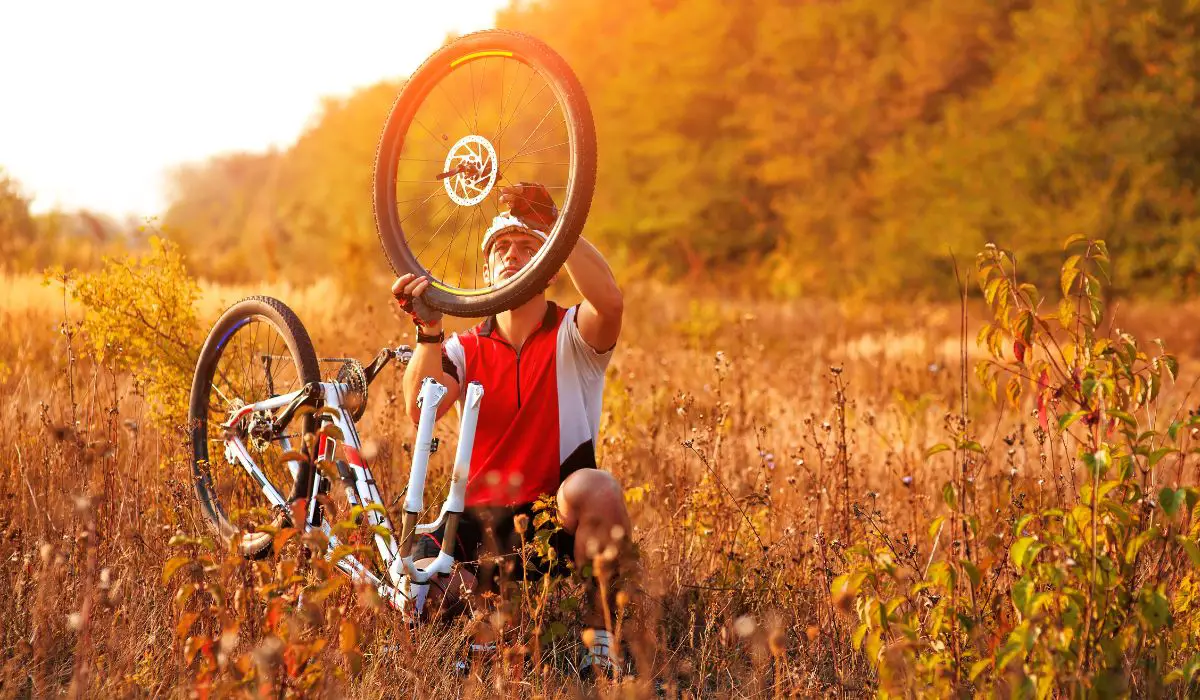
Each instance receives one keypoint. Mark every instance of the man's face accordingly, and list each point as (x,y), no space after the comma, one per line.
(509,253)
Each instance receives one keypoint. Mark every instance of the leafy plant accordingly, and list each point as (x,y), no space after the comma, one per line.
(1094,596)
(140,317)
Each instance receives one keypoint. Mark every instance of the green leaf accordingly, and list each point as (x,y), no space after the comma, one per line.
(340,552)
(1192,549)
(1169,500)
(173,564)
(1172,365)
(874,645)
(949,496)
(1066,313)
(1012,391)
(1022,595)
(1106,487)
(972,572)
(856,639)
(989,292)
(1190,496)
(1124,417)
(1173,431)
(936,526)
(940,447)
(1021,523)
(971,446)
(1065,421)
(1158,454)
(1154,609)
(1073,240)
(847,584)
(184,594)
(1020,550)
(1118,511)
(1135,545)
(1068,279)
(942,574)
(979,667)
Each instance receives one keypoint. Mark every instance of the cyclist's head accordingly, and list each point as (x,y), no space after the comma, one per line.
(508,245)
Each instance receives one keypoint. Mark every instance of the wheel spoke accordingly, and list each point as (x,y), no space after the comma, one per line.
(520,149)
(418,207)
(457,111)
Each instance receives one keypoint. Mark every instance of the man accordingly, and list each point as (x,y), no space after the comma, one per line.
(542,369)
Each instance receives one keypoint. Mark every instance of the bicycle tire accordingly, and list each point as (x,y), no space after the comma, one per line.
(285,322)
(574,208)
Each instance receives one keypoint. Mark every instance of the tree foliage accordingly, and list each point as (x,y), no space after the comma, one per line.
(18,231)
(817,148)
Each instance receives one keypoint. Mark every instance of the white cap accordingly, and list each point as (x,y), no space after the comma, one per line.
(505,222)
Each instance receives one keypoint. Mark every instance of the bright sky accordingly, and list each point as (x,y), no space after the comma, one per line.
(99,99)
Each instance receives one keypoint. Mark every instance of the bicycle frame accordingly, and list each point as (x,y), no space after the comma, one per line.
(407,584)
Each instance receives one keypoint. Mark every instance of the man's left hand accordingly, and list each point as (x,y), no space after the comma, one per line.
(532,204)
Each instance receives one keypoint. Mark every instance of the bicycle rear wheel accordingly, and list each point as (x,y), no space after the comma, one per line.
(489,110)
(258,349)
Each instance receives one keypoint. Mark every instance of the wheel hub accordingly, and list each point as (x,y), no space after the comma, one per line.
(470,170)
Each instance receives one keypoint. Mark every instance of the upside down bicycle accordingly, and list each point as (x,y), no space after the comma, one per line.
(257,390)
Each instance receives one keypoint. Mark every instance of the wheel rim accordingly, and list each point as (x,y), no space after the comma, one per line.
(253,363)
(488,120)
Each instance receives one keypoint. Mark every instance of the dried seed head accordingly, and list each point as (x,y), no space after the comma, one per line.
(744,626)
(777,642)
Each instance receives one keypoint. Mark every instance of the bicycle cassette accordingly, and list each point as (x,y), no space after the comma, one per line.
(352,376)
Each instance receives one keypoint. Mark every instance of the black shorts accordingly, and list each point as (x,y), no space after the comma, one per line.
(489,544)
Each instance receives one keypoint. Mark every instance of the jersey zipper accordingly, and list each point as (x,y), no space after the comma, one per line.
(517,355)
(518,378)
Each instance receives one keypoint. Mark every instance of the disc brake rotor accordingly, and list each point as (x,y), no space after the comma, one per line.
(470,170)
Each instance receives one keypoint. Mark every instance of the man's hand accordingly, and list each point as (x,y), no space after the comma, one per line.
(532,204)
(408,290)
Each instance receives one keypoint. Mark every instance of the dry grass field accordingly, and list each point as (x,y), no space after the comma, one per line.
(759,442)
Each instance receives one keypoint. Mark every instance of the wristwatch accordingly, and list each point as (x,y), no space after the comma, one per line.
(435,339)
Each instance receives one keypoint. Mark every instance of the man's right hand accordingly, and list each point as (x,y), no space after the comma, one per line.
(407,289)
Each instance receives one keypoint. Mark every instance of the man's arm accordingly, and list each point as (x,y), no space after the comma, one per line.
(600,313)
(426,360)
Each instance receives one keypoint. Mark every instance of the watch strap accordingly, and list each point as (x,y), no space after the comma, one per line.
(423,338)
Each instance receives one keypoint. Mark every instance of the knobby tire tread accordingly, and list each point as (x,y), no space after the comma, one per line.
(583,187)
(300,346)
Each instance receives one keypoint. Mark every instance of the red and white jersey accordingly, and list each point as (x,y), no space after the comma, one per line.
(540,413)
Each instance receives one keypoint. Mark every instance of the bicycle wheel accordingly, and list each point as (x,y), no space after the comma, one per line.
(491,109)
(257,350)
